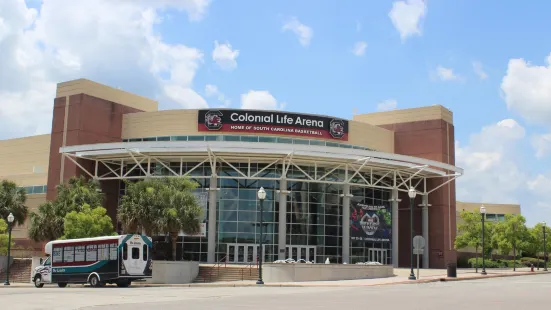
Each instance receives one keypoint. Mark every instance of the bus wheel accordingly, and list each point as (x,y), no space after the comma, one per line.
(123,283)
(62,285)
(94,281)
(38,282)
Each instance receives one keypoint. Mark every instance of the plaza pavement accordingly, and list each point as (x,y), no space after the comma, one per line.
(505,293)
(401,277)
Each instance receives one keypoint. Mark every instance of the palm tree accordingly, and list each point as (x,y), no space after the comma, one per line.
(161,206)
(47,222)
(12,200)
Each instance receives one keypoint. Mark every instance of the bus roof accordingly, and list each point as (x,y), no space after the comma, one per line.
(48,247)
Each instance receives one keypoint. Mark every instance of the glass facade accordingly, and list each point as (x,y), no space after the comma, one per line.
(314,215)
(37,189)
(238,138)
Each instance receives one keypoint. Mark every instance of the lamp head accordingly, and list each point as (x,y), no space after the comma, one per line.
(261,193)
(412,193)
(11,218)
(482,210)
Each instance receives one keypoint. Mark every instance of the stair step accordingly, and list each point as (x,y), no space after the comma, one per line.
(20,271)
(224,273)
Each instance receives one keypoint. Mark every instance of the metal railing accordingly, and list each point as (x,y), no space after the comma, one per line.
(250,270)
(217,266)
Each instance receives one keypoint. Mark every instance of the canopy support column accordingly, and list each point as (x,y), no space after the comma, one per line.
(346,223)
(395,225)
(211,235)
(425,220)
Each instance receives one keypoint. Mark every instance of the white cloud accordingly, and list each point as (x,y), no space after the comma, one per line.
(542,144)
(303,32)
(490,162)
(387,105)
(540,184)
(477,67)
(224,56)
(260,100)
(359,48)
(446,74)
(406,16)
(527,90)
(213,91)
(112,42)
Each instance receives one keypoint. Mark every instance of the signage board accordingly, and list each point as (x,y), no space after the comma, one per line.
(202,199)
(370,222)
(201,233)
(271,122)
(418,242)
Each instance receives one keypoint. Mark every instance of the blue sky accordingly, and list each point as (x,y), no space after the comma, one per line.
(164,50)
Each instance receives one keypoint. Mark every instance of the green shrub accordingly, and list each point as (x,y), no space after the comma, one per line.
(473,262)
(523,262)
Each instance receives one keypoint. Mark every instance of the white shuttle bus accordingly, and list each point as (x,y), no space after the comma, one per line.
(97,261)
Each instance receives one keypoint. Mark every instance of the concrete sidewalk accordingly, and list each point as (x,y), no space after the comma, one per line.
(401,277)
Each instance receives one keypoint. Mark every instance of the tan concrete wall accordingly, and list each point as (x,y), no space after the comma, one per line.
(25,160)
(323,272)
(33,202)
(184,122)
(84,86)
(491,208)
(407,115)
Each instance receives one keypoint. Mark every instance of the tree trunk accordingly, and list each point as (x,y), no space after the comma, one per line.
(174,237)
(476,262)
(514,256)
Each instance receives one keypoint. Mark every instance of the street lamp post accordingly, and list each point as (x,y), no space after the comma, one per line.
(544,247)
(411,193)
(10,225)
(261,197)
(483,216)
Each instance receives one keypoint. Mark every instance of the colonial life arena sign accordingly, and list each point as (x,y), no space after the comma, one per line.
(277,123)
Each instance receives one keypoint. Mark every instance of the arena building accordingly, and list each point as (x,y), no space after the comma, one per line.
(336,188)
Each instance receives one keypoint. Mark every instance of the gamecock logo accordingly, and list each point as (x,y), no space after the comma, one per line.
(336,128)
(213,120)
(370,224)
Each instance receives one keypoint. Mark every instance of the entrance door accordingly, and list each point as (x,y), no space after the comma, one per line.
(378,255)
(242,253)
(301,252)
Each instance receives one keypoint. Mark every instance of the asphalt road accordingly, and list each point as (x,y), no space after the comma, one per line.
(527,292)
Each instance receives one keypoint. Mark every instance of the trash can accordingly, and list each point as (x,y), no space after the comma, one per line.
(452,270)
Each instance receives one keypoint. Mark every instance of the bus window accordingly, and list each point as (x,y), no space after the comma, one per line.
(135,253)
(125,251)
(144,253)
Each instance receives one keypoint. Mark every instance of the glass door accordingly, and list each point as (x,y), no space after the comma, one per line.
(240,253)
(301,252)
(378,255)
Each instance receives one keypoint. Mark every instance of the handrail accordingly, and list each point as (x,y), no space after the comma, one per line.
(217,266)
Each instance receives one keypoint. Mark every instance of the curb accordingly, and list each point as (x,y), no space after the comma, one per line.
(214,285)
(445,279)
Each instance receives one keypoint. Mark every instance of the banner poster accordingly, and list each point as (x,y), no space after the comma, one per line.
(272,122)
(370,223)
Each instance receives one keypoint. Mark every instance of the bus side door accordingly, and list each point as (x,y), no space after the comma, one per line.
(46,271)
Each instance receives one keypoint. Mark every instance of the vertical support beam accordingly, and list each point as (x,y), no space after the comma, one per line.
(64,141)
(282,228)
(346,223)
(395,225)
(425,223)
(211,235)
